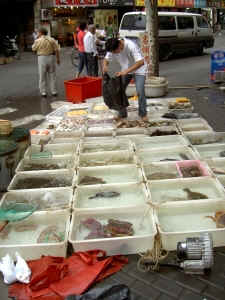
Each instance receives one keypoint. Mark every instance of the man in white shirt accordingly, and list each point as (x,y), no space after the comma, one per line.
(91,51)
(132,64)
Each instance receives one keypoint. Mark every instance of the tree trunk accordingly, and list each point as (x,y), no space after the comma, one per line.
(152,29)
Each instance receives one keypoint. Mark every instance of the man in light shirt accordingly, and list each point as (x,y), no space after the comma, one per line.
(47,51)
(131,61)
(90,49)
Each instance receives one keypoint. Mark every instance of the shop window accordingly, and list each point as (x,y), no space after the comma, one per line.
(167,23)
(202,23)
(185,22)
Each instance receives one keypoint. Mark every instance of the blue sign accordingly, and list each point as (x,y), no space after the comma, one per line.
(217,62)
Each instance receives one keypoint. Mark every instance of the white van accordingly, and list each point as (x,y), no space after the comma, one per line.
(178,32)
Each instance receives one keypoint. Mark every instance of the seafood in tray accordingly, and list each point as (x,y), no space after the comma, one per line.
(71,124)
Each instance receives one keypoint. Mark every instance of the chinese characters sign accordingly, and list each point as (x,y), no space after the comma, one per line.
(77,2)
(116,2)
(144,43)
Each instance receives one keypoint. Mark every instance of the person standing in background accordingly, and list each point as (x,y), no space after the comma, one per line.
(90,48)
(47,50)
(82,55)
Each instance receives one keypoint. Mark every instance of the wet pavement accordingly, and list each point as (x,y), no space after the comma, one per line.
(18,90)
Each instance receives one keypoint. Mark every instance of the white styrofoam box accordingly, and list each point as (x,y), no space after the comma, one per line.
(116,145)
(179,221)
(210,151)
(65,140)
(55,149)
(112,174)
(217,165)
(40,134)
(28,165)
(25,242)
(131,137)
(101,132)
(160,167)
(47,199)
(95,100)
(130,131)
(142,240)
(166,154)
(75,134)
(99,140)
(106,158)
(157,102)
(163,191)
(205,137)
(130,194)
(160,141)
(61,178)
(194,124)
(154,131)
(59,113)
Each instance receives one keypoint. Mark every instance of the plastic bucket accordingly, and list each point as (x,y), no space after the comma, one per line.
(8,162)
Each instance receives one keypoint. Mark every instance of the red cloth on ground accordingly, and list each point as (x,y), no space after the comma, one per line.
(54,278)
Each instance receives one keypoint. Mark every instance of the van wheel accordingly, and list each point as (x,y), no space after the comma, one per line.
(164,52)
(200,49)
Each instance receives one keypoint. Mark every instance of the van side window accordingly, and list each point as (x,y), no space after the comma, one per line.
(185,22)
(202,23)
(167,23)
(135,22)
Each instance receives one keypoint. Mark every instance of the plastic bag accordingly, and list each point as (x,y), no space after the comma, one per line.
(113,92)
(112,292)
(22,270)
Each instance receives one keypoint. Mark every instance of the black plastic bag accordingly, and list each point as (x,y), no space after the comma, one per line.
(110,292)
(114,93)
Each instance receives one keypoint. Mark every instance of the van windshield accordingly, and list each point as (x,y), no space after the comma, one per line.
(134,22)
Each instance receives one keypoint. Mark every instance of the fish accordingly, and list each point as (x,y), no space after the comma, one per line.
(192,171)
(169,159)
(159,132)
(222,154)
(170,116)
(159,175)
(89,180)
(109,194)
(218,171)
(194,195)
(184,156)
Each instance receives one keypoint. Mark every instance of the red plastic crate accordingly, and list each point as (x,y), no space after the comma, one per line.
(77,90)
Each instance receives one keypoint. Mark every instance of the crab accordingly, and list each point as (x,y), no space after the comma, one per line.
(219,218)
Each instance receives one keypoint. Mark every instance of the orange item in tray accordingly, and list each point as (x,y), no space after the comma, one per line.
(182,100)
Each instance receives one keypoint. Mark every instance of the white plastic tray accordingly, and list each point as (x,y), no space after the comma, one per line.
(205,137)
(65,140)
(182,220)
(106,146)
(163,191)
(195,124)
(47,199)
(65,178)
(210,151)
(61,163)
(160,167)
(25,242)
(142,240)
(106,158)
(130,194)
(152,131)
(55,149)
(112,174)
(130,131)
(165,154)
(217,166)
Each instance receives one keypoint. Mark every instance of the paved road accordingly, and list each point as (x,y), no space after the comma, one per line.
(19,92)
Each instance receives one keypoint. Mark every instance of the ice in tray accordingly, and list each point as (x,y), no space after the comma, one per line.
(160,171)
(205,137)
(180,221)
(45,164)
(44,179)
(109,175)
(113,195)
(211,151)
(160,141)
(46,199)
(187,189)
(53,150)
(106,158)
(162,130)
(166,154)
(105,146)
(40,234)
(115,231)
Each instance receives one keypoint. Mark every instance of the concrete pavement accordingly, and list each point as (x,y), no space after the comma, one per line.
(18,90)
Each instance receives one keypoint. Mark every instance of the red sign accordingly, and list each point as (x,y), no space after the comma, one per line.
(184,3)
(76,2)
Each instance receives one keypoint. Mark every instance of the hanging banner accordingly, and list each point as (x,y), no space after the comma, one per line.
(184,3)
(213,3)
(200,4)
(166,3)
(140,2)
(76,2)
(116,2)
